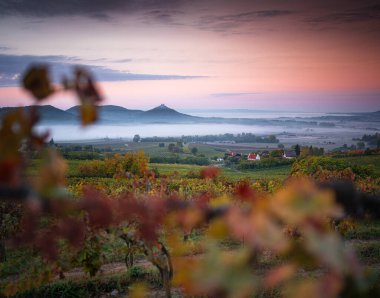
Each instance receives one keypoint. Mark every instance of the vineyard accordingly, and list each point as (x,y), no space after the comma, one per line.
(123,226)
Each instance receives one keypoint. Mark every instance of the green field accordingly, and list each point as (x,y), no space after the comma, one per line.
(372,161)
(207,150)
(153,149)
(280,172)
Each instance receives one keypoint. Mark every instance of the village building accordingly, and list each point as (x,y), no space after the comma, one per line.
(289,154)
(253,156)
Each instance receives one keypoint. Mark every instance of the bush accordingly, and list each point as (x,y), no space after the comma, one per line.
(134,163)
(311,165)
(84,288)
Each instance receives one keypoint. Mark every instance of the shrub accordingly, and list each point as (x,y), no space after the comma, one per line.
(134,163)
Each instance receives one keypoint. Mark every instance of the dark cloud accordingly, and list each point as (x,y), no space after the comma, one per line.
(226,22)
(98,9)
(348,16)
(12,67)
(164,16)
(226,16)
(101,17)
(127,60)
(4,48)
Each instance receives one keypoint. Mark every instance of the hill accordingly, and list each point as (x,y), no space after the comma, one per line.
(112,113)
(167,115)
(47,113)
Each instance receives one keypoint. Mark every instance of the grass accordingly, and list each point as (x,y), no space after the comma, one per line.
(280,172)
(208,150)
(368,251)
(365,230)
(364,239)
(72,167)
(372,161)
(19,260)
(167,169)
(93,287)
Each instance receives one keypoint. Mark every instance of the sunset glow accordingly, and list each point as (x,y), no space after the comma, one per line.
(293,55)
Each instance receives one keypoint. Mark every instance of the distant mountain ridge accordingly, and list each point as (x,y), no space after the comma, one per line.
(48,113)
(112,114)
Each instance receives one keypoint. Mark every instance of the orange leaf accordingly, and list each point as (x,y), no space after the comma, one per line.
(89,113)
(278,275)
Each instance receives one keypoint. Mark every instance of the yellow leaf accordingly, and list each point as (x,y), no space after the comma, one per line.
(88,113)
(138,290)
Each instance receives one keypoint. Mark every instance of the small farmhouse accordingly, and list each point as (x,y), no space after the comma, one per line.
(231,154)
(289,154)
(253,156)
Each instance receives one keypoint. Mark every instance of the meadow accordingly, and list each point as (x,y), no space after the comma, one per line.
(116,279)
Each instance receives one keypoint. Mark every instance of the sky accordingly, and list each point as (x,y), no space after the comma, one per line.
(295,55)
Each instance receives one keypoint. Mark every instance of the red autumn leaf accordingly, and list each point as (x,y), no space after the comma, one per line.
(10,171)
(210,172)
(28,229)
(99,209)
(72,230)
(244,192)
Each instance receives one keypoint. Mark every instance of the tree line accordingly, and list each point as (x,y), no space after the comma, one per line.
(227,137)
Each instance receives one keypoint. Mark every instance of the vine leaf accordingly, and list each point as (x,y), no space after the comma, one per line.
(36,80)
(88,94)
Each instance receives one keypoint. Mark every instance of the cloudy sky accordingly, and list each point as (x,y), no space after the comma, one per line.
(277,55)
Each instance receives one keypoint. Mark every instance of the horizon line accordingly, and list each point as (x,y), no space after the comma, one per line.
(202,109)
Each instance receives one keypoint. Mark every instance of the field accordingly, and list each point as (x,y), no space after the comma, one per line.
(115,279)
(209,150)
(371,161)
(181,170)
